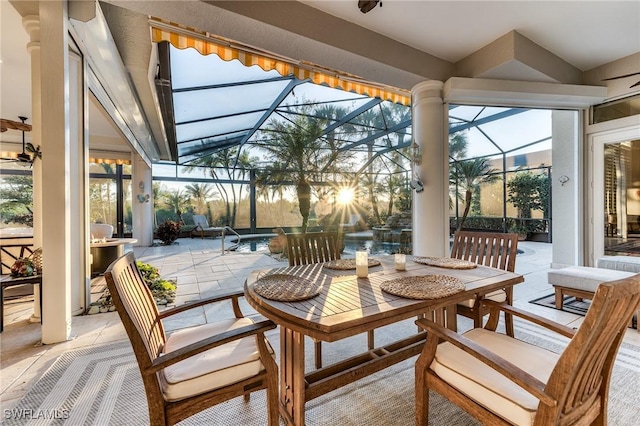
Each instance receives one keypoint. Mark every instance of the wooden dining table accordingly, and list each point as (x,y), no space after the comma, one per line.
(347,306)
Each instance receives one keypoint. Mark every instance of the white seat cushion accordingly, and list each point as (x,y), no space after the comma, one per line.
(497,296)
(584,277)
(212,369)
(484,385)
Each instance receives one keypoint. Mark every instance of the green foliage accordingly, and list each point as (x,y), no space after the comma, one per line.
(16,195)
(161,289)
(468,175)
(168,232)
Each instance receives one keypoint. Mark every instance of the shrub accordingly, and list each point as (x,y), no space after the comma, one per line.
(164,291)
(168,232)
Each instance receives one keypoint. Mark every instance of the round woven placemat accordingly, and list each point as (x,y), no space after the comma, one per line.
(445,262)
(345,264)
(423,287)
(286,288)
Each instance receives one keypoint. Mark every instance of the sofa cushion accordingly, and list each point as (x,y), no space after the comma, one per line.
(212,369)
(584,277)
(483,384)
(620,263)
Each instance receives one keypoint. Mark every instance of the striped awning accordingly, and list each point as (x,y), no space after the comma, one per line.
(182,37)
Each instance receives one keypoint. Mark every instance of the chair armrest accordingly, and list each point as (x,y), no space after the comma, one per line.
(234,295)
(185,352)
(502,366)
(536,319)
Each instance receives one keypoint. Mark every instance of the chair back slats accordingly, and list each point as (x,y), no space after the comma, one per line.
(136,308)
(582,374)
(497,250)
(312,247)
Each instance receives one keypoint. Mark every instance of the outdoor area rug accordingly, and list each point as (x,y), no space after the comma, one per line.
(572,305)
(102,386)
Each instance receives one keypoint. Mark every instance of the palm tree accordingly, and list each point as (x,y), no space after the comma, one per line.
(469,175)
(222,165)
(297,154)
(177,201)
(200,193)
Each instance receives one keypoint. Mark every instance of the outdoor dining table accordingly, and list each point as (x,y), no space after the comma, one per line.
(346,306)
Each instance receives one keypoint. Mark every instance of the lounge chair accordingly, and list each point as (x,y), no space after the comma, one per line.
(203,229)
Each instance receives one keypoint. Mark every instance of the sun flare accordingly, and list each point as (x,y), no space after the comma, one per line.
(345,196)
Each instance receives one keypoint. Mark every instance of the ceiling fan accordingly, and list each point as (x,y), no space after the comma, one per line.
(23,159)
(624,76)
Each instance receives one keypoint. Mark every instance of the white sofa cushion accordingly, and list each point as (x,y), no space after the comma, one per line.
(584,277)
(212,369)
(497,296)
(483,384)
(620,263)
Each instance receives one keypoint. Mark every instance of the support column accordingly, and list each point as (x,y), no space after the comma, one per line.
(142,207)
(567,215)
(431,205)
(32,25)
(56,178)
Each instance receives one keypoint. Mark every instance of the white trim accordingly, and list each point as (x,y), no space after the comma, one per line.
(522,93)
(595,180)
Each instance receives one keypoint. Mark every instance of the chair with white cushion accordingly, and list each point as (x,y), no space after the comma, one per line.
(194,368)
(497,250)
(501,380)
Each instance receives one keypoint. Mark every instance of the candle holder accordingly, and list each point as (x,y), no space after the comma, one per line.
(362,264)
(400,261)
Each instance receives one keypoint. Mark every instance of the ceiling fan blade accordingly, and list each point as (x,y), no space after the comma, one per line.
(14,125)
(620,76)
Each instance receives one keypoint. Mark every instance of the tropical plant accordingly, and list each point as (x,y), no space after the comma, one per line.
(467,175)
(168,232)
(163,291)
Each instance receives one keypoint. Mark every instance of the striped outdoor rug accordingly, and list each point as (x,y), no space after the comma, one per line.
(102,386)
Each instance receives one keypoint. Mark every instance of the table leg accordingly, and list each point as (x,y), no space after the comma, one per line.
(292,380)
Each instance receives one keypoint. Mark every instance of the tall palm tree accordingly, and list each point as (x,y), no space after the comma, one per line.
(297,154)
(221,165)
(200,193)
(469,175)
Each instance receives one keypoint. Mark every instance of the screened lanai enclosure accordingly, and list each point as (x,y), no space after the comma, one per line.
(261,149)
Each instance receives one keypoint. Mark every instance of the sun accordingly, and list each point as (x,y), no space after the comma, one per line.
(345,196)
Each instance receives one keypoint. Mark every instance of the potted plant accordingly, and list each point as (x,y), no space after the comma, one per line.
(168,232)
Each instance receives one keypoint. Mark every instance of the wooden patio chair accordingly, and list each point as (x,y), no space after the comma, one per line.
(195,368)
(501,380)
(497,250)
(313,247)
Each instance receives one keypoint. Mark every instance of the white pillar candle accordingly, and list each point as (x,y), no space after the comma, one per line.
(362,264)
(400,262)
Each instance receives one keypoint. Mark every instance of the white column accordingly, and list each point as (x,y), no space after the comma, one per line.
(566,208)
(431,206)
(142,208)
(32,25)
(56,177)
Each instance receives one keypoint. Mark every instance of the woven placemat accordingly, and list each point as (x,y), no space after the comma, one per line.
(286,288)
(445,262)
(423,287)
(345,264)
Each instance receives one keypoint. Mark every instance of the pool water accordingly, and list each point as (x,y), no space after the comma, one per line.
(261,244)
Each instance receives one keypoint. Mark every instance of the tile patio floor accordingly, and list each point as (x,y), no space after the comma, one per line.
(201,269)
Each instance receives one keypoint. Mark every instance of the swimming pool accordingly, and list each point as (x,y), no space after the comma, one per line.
(261,244)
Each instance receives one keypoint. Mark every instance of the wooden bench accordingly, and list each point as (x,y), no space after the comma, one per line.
(12,249)
(581,282)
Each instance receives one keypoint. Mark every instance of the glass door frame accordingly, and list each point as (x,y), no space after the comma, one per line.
(607,134)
